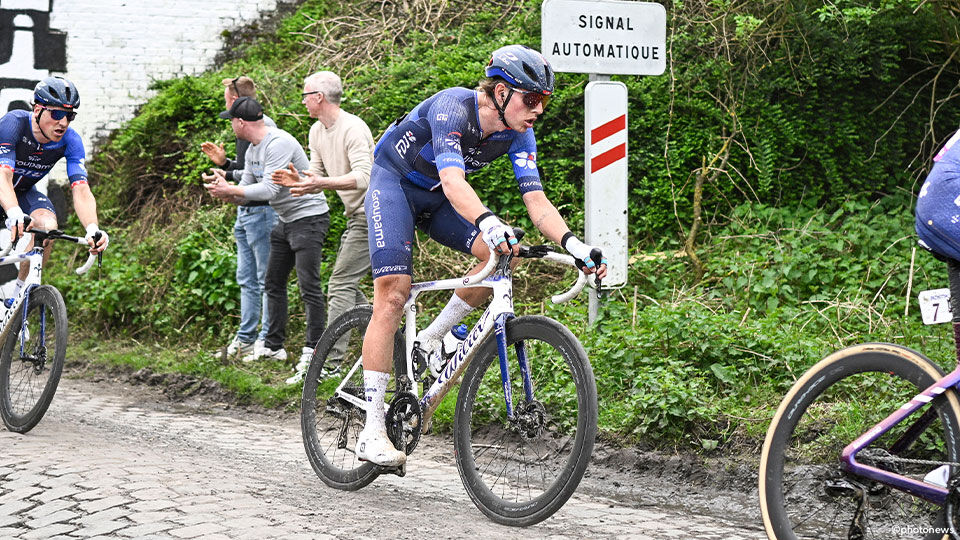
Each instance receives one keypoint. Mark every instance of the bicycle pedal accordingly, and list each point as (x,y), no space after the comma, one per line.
(400,470)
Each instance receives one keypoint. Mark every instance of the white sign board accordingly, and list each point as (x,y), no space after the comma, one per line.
(611,37)
(935,306)
(605,185)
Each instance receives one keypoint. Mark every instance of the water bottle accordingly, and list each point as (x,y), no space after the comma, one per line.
(451,341)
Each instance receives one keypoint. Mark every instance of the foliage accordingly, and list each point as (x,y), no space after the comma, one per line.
(828,112)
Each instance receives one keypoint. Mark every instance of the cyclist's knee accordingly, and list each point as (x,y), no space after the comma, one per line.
(390,293)
(480,250)
(43,219)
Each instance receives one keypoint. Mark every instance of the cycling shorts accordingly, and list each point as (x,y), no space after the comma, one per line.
(394,206)
(30,200)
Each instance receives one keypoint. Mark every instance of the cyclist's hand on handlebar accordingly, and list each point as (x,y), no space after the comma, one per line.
(589,259)
(15,221)
(96,238)
(497,236)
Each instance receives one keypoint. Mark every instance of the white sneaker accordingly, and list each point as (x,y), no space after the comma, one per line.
(302,366)
(265,353)
(375,447)
(242,348)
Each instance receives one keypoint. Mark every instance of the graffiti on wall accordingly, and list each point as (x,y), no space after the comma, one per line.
(29,50)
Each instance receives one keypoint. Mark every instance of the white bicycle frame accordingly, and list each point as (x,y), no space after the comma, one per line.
(35,259)
(494,318)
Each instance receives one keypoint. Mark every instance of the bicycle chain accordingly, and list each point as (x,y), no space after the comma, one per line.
(893,459)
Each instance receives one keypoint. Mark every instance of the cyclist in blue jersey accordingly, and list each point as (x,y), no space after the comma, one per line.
(31,143)
(419,180)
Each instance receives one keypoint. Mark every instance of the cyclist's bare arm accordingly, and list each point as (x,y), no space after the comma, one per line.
(549,221)
(8,199)
(463,198)
(84,204)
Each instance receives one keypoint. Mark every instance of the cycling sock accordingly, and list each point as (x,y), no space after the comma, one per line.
(375,388)
(454,312)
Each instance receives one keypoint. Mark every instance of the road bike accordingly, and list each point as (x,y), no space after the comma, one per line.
(520,457)
(865,444)
(33,334)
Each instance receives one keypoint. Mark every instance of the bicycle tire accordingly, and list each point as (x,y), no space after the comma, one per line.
(28,382)
(832,404)
(567,428)
(326,422)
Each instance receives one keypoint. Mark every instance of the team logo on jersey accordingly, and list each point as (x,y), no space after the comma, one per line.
(4,148)
(453,141)
(404,143)
(526,160)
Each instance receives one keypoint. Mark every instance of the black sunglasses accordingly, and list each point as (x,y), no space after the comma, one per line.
(233,83)
(58,114)
(305,94)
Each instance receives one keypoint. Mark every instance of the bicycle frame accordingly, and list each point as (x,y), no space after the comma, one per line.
(35,258)
(929,492)
(496,275)
(924,490)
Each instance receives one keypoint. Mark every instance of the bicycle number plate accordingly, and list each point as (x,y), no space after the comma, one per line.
(935,306)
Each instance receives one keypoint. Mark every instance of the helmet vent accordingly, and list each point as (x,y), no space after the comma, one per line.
(532,73)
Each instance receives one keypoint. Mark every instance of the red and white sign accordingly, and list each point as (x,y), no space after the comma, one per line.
(605,185)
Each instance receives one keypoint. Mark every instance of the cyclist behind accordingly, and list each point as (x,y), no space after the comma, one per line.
(31,143)
(419,180)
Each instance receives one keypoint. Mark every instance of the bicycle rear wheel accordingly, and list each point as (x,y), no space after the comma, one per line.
(330,425)
(31,359)
(519,472)
(805,493)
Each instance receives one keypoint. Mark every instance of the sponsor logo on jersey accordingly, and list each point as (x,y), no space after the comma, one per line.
(526,160)
(377,219)
(405,143)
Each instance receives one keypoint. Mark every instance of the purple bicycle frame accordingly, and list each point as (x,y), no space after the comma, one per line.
(929,492)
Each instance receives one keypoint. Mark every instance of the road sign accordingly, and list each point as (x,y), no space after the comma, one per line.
(604,36)
(605,185)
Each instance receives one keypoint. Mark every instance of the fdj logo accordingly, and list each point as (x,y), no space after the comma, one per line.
(404,144)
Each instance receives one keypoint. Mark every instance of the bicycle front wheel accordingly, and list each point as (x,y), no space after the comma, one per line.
(331,425)
(31,359)
(804,491)
(520,471)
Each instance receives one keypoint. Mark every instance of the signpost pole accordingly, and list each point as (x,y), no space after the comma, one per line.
(603,38)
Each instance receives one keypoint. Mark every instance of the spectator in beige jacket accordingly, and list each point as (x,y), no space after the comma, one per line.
(341,156)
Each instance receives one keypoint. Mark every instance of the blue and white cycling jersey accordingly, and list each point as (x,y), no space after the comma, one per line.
(444,131)
(31,160)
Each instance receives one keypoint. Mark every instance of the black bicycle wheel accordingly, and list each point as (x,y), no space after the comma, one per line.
(330,425)
(31,359)
(804,492)
(519,472)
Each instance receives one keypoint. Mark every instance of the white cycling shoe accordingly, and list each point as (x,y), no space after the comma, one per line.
(375,447)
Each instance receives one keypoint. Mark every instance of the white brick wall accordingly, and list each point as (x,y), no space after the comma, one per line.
(115,48)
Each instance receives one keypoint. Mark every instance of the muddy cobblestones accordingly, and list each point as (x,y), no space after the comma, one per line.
(102,464)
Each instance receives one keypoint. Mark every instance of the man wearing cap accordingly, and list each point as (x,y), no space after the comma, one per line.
(341,155)
(297,239)
(255,220)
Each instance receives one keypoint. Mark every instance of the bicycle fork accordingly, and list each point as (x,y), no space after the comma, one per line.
(500,330)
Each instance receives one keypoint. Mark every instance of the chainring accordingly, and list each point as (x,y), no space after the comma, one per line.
(404,422)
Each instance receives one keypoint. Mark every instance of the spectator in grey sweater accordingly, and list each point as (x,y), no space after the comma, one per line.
(296,241)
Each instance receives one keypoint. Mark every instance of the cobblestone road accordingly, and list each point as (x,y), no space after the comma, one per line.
(104,463)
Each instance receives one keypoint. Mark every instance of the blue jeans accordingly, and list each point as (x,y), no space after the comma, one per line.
(252,231)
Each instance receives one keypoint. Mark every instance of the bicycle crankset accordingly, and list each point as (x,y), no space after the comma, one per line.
(404,422)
